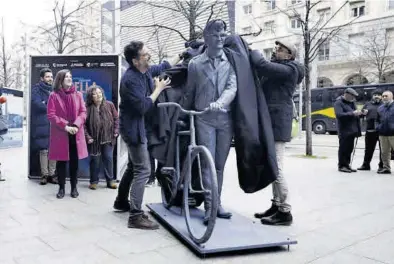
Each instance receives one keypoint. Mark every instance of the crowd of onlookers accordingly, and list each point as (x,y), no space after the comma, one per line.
(378,114)
(65,129)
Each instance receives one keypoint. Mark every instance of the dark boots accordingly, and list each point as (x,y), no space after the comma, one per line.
(275,217)
(364,167)
(141,221)
(52,179)
(267,213)
(74,192)
(123,206)
(61,192)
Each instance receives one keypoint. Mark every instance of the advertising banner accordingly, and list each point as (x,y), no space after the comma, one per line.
(103,70)
(11,118)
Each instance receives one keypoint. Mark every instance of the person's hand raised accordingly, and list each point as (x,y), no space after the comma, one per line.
(162,84)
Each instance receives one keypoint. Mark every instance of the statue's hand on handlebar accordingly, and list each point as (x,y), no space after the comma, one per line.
(215,106)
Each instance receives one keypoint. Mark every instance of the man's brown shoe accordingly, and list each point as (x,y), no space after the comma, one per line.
(141,221)
(112,185)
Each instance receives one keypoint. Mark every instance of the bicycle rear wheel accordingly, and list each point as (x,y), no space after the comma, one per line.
(204,233)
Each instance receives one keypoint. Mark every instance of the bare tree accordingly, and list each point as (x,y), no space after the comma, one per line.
(378,54)
(315,34)
(18,75)
(65,32)
(160,41)
(6,79)
(191,10)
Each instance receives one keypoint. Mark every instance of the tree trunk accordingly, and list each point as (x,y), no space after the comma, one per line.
(308,119)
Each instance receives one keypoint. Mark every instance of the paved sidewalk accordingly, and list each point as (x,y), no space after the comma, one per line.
(339,218)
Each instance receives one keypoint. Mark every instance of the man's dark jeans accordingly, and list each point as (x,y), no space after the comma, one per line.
(135,177)
(371,139)
(107,158)
(346,146)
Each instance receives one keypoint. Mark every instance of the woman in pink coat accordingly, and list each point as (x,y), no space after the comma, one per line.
(67,115)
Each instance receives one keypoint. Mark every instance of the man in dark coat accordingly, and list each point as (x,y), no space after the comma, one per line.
(135,104)
(40,125)
(280,76)
(370,110)
(348,123)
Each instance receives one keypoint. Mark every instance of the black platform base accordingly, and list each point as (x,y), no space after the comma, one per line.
(229,236)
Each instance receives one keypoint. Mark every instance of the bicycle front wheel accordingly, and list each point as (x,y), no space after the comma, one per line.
(201,233)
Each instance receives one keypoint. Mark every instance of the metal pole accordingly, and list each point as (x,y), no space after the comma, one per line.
(300,102)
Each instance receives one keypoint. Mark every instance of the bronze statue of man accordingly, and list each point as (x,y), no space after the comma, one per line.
(212,83)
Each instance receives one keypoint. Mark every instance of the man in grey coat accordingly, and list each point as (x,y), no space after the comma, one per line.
(212,83)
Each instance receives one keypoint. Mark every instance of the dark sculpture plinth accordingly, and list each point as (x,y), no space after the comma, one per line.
(229,236)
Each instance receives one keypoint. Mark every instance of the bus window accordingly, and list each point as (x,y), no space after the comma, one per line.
(361,95)
(335,93)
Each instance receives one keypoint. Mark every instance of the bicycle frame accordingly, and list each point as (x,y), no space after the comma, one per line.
(192,133)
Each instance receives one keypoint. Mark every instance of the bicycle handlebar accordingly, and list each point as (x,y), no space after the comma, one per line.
(188,112)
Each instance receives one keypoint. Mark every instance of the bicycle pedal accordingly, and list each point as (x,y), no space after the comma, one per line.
(168,170)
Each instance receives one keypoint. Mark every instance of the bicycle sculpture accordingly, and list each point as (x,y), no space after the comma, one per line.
(178,181)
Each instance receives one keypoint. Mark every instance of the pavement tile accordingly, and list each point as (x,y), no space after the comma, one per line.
(147,257)
(23,248)
(379,247)
(84,255)
(120,246)
(342,257)
(78,237)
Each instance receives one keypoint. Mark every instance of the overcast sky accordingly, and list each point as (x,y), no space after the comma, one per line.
(32,12)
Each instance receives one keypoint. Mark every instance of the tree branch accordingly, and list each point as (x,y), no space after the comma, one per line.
(159,26)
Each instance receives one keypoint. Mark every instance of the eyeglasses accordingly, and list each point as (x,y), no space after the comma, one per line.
(222,36)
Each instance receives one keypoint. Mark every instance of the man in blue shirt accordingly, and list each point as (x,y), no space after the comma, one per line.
(135,103)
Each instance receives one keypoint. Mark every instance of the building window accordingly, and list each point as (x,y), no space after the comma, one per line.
(248,9)
(357,9)
(324,82)
(295,23)
(293,2)
(247,30)
(324,14)
(268,53)
(391,4)
(271,4)
(324,51)
(269,27)
(356,45)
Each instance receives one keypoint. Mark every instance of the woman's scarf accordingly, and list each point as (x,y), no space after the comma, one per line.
(68,97)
